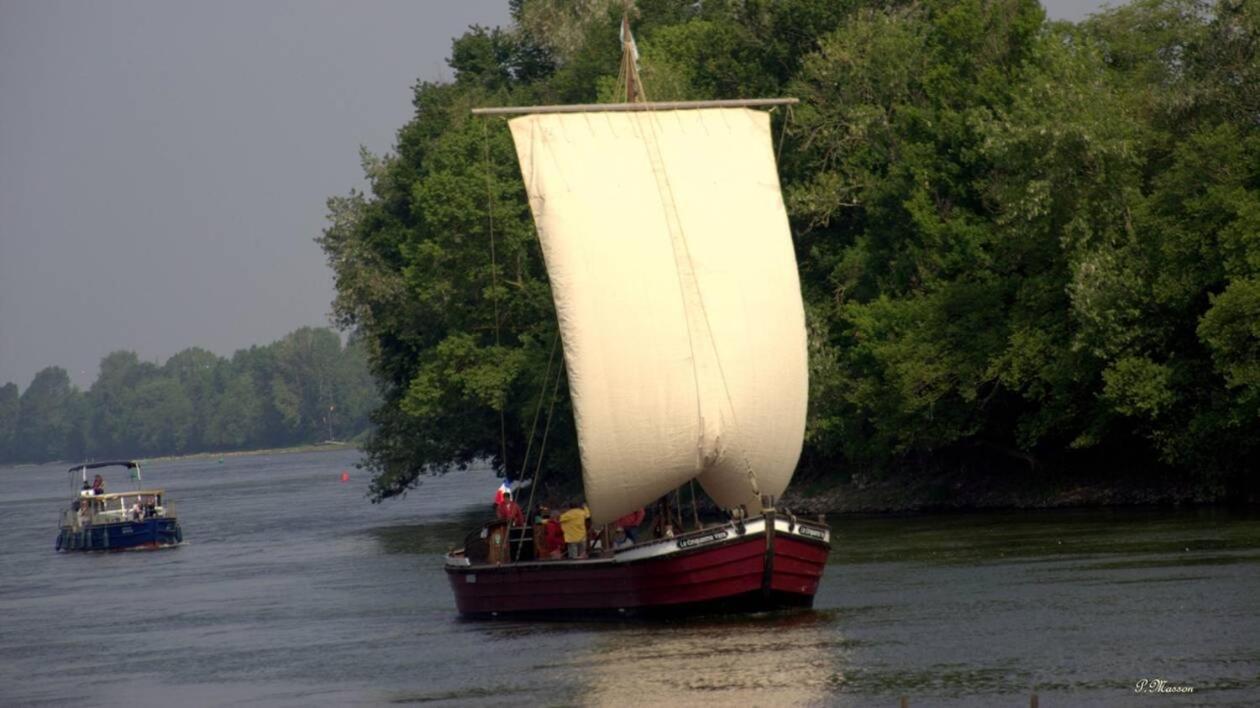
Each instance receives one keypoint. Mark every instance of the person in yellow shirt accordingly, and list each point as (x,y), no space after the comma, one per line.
(573,522)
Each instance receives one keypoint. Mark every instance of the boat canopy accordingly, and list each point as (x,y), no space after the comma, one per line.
(135,493)
(129,464)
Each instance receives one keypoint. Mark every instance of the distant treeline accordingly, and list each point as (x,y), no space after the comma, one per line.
(304,388)
(1025,247)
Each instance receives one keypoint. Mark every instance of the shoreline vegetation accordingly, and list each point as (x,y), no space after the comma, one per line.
(1026,248)
(861,497)
(304,388)
(326,446)
(956,493)
(1026,251)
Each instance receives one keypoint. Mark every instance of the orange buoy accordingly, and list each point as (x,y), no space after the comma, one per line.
(345,476)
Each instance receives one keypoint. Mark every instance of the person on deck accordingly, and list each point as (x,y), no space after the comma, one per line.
(510,511)
(663,523)
(620,539)
(98,485)
(542,514)
(630,524)
(573,521)
(553,537)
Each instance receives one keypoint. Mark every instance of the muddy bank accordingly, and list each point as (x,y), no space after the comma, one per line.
(330,446)
(963,492)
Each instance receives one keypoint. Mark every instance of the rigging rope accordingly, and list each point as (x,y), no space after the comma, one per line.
(542,447)
(787,119)
(494,286)
(533,428)
(695,504)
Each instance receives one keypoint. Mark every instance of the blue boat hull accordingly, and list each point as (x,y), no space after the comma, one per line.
(121,536)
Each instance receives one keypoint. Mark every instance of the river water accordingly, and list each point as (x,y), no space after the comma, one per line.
(292,590)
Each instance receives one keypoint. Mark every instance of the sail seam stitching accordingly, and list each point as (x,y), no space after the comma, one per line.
(678,236)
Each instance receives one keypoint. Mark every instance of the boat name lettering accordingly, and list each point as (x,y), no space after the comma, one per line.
(698,540)
(811,532)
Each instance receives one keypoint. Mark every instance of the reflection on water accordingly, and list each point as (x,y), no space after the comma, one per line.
(1082,603)
(794,659)
(425,539)
(293,590)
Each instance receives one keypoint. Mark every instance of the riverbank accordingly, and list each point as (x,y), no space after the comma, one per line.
(959,492)
(312,447)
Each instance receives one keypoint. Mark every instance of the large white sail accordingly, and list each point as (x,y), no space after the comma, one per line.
(671,264)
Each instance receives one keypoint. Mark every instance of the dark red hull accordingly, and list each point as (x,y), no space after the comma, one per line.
(718,570)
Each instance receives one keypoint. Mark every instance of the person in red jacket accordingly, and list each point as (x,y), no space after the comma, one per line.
(510,511)
(630,523)
(553,537)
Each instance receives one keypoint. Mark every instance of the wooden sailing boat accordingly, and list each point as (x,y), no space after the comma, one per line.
(667,245)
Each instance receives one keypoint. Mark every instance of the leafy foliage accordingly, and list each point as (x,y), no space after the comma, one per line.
(304,388)
(1024,245)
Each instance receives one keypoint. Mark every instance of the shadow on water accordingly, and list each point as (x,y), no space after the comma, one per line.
(427,538)
(970,608)
(1011,536)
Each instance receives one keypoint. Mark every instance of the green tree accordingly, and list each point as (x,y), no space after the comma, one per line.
(113,417)
(45,426)
(1023,245)
(163,417)
(900,257)
(303,382)
(354,392)
(459,342)
(199,373)
(10,405)
(237,419)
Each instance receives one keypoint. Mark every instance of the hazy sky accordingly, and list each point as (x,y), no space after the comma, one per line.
(164,163)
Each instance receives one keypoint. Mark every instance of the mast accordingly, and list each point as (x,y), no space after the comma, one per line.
(681,320)
(629,75)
